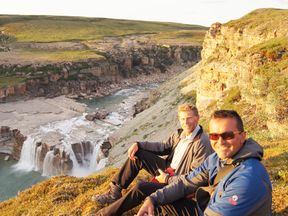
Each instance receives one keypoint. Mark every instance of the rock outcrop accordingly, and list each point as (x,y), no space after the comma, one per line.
(99,114)
(11,142)
(98,77)
(244,67)
(52,160)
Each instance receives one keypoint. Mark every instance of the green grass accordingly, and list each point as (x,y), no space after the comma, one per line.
(58,55)
(272,45)
(11,81)
(182,36)
(232,96)
(49,29)
(264,20)
(276,162)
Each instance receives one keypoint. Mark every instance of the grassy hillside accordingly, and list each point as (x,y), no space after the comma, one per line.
(61,196)
(51,29)
(264,20)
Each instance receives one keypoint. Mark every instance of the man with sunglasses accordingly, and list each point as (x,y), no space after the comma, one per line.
(238,183)
(185,150)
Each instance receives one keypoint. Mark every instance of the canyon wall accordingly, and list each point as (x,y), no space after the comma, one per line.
(92,78)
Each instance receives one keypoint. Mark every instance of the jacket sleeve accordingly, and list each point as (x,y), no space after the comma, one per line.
(243,194)
(181,186)
(159,148)
(202,151)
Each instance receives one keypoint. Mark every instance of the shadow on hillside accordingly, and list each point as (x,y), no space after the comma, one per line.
(282,213)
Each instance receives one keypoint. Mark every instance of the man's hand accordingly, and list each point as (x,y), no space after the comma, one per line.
(147,209)
(162,177)
(132,150)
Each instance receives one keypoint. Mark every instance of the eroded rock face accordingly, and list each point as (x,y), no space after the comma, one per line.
(82,151)
(11,142)
(105,147)
(97,77)
(226,61)
(52,160)
(234,71)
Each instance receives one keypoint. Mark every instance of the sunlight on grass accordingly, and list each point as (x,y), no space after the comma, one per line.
(276,162)
(62,195)
(48,29)
(69,55)
(11,81)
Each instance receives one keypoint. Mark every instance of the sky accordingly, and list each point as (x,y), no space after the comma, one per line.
(201,12)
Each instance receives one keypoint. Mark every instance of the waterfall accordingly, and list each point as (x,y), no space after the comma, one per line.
(94,157)
(27,157)
(63,134)
(38,162)
(97,160)
(48,168)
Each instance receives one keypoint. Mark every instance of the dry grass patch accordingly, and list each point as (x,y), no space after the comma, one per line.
(62,195)
(276,162)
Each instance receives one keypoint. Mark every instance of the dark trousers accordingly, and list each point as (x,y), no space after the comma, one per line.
(145,160)
(134,197)
(137,194)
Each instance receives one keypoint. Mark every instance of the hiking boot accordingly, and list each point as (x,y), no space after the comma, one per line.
(113,194)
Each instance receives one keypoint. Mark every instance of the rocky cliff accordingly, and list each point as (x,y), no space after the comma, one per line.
(244,67)
(11,142)
(96,77)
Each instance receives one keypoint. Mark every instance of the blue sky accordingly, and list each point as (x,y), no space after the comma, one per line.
(202,12)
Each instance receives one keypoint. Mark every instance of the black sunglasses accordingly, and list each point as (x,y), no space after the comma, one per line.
(226,135)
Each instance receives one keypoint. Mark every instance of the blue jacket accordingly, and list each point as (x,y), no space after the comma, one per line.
(246,190)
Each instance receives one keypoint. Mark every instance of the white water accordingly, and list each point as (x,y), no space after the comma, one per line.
(27,159)
(37,158)
(47,168)
(75,130)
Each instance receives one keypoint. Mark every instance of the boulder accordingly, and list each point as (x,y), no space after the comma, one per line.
(11,142)
(105,147)
(100,114)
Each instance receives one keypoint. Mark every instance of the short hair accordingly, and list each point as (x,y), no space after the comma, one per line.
(188,107)
(221,114)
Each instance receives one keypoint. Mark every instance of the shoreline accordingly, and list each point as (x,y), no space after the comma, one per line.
(29,115)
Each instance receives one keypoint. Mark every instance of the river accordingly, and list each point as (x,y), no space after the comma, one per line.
(16,176)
